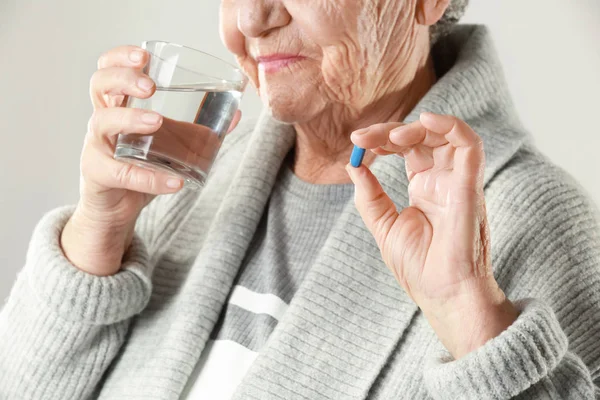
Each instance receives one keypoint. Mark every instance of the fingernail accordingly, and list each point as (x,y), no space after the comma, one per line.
(145,84)
(136,56)
(174,183)
(150,118)
(361,131)
(398,129)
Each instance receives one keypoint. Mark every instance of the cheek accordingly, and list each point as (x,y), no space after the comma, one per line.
(332,25)
(326,22)
(232,38)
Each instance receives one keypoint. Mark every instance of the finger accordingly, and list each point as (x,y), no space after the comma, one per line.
(99,166)
(143,180)
(456,130)
(374,136)
(124,56)
(415,144)
(109,122)
(119,81)
(469,157)
(397,138)
(409,229)
(380,151)
(236,120)
(419,158)
(123,175)
(415,133)
(374,205)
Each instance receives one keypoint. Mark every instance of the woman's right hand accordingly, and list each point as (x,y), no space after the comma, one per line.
(113,193)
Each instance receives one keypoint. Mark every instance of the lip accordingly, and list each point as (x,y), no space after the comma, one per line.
(275,62)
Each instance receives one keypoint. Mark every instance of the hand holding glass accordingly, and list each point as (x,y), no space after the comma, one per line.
(198,96)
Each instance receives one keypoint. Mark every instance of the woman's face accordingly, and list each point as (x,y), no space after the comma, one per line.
(305,56)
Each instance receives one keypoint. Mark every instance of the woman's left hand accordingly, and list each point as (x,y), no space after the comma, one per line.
(438,248)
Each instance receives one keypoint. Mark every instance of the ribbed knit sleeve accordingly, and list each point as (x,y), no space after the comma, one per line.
(551,270)
(525,354)
(61,327)
(76,295)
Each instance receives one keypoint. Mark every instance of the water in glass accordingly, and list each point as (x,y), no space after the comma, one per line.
(196,118)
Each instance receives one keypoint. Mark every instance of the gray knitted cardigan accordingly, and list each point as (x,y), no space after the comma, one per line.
(350,331)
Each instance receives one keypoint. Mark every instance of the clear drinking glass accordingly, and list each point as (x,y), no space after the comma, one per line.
(198,95)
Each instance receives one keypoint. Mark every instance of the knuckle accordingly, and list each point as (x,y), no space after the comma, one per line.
(124,174)
(130,177)
(93,123)
(460,124)
(146,182)
(457,123)
(120,75)
(115,79)
(128,80)
(126,118)
(150,182)
(94,80)
(121,117)
(127,74)
(102,61)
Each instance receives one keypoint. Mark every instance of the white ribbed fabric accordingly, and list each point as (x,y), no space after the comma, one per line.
(222,366)
(258,303)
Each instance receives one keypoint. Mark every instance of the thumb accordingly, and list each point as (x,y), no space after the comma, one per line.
(131,177)
(376,208)
(401,237)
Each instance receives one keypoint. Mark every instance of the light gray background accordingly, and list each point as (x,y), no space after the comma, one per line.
(48,52)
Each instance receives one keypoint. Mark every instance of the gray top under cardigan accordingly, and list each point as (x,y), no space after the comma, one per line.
(350,331)
(296,223)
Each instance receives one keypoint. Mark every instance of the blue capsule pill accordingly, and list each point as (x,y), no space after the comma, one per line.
(358,154)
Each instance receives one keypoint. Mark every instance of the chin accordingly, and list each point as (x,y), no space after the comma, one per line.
(291,106)
(293,94)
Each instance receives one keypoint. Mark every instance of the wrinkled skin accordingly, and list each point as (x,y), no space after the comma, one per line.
(358,55)
(342,43)
(367,64)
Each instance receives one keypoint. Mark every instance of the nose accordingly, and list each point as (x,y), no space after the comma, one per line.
(257,18)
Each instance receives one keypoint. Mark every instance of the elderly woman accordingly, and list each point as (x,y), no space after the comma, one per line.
(292,275)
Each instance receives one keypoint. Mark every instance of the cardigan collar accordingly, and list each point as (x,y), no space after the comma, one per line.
(351,310)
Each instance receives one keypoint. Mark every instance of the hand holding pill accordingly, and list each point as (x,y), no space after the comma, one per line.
(438,248)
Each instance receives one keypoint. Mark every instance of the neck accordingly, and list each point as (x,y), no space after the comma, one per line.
(323,145)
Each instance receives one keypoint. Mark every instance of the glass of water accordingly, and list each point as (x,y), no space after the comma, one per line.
(198,95)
